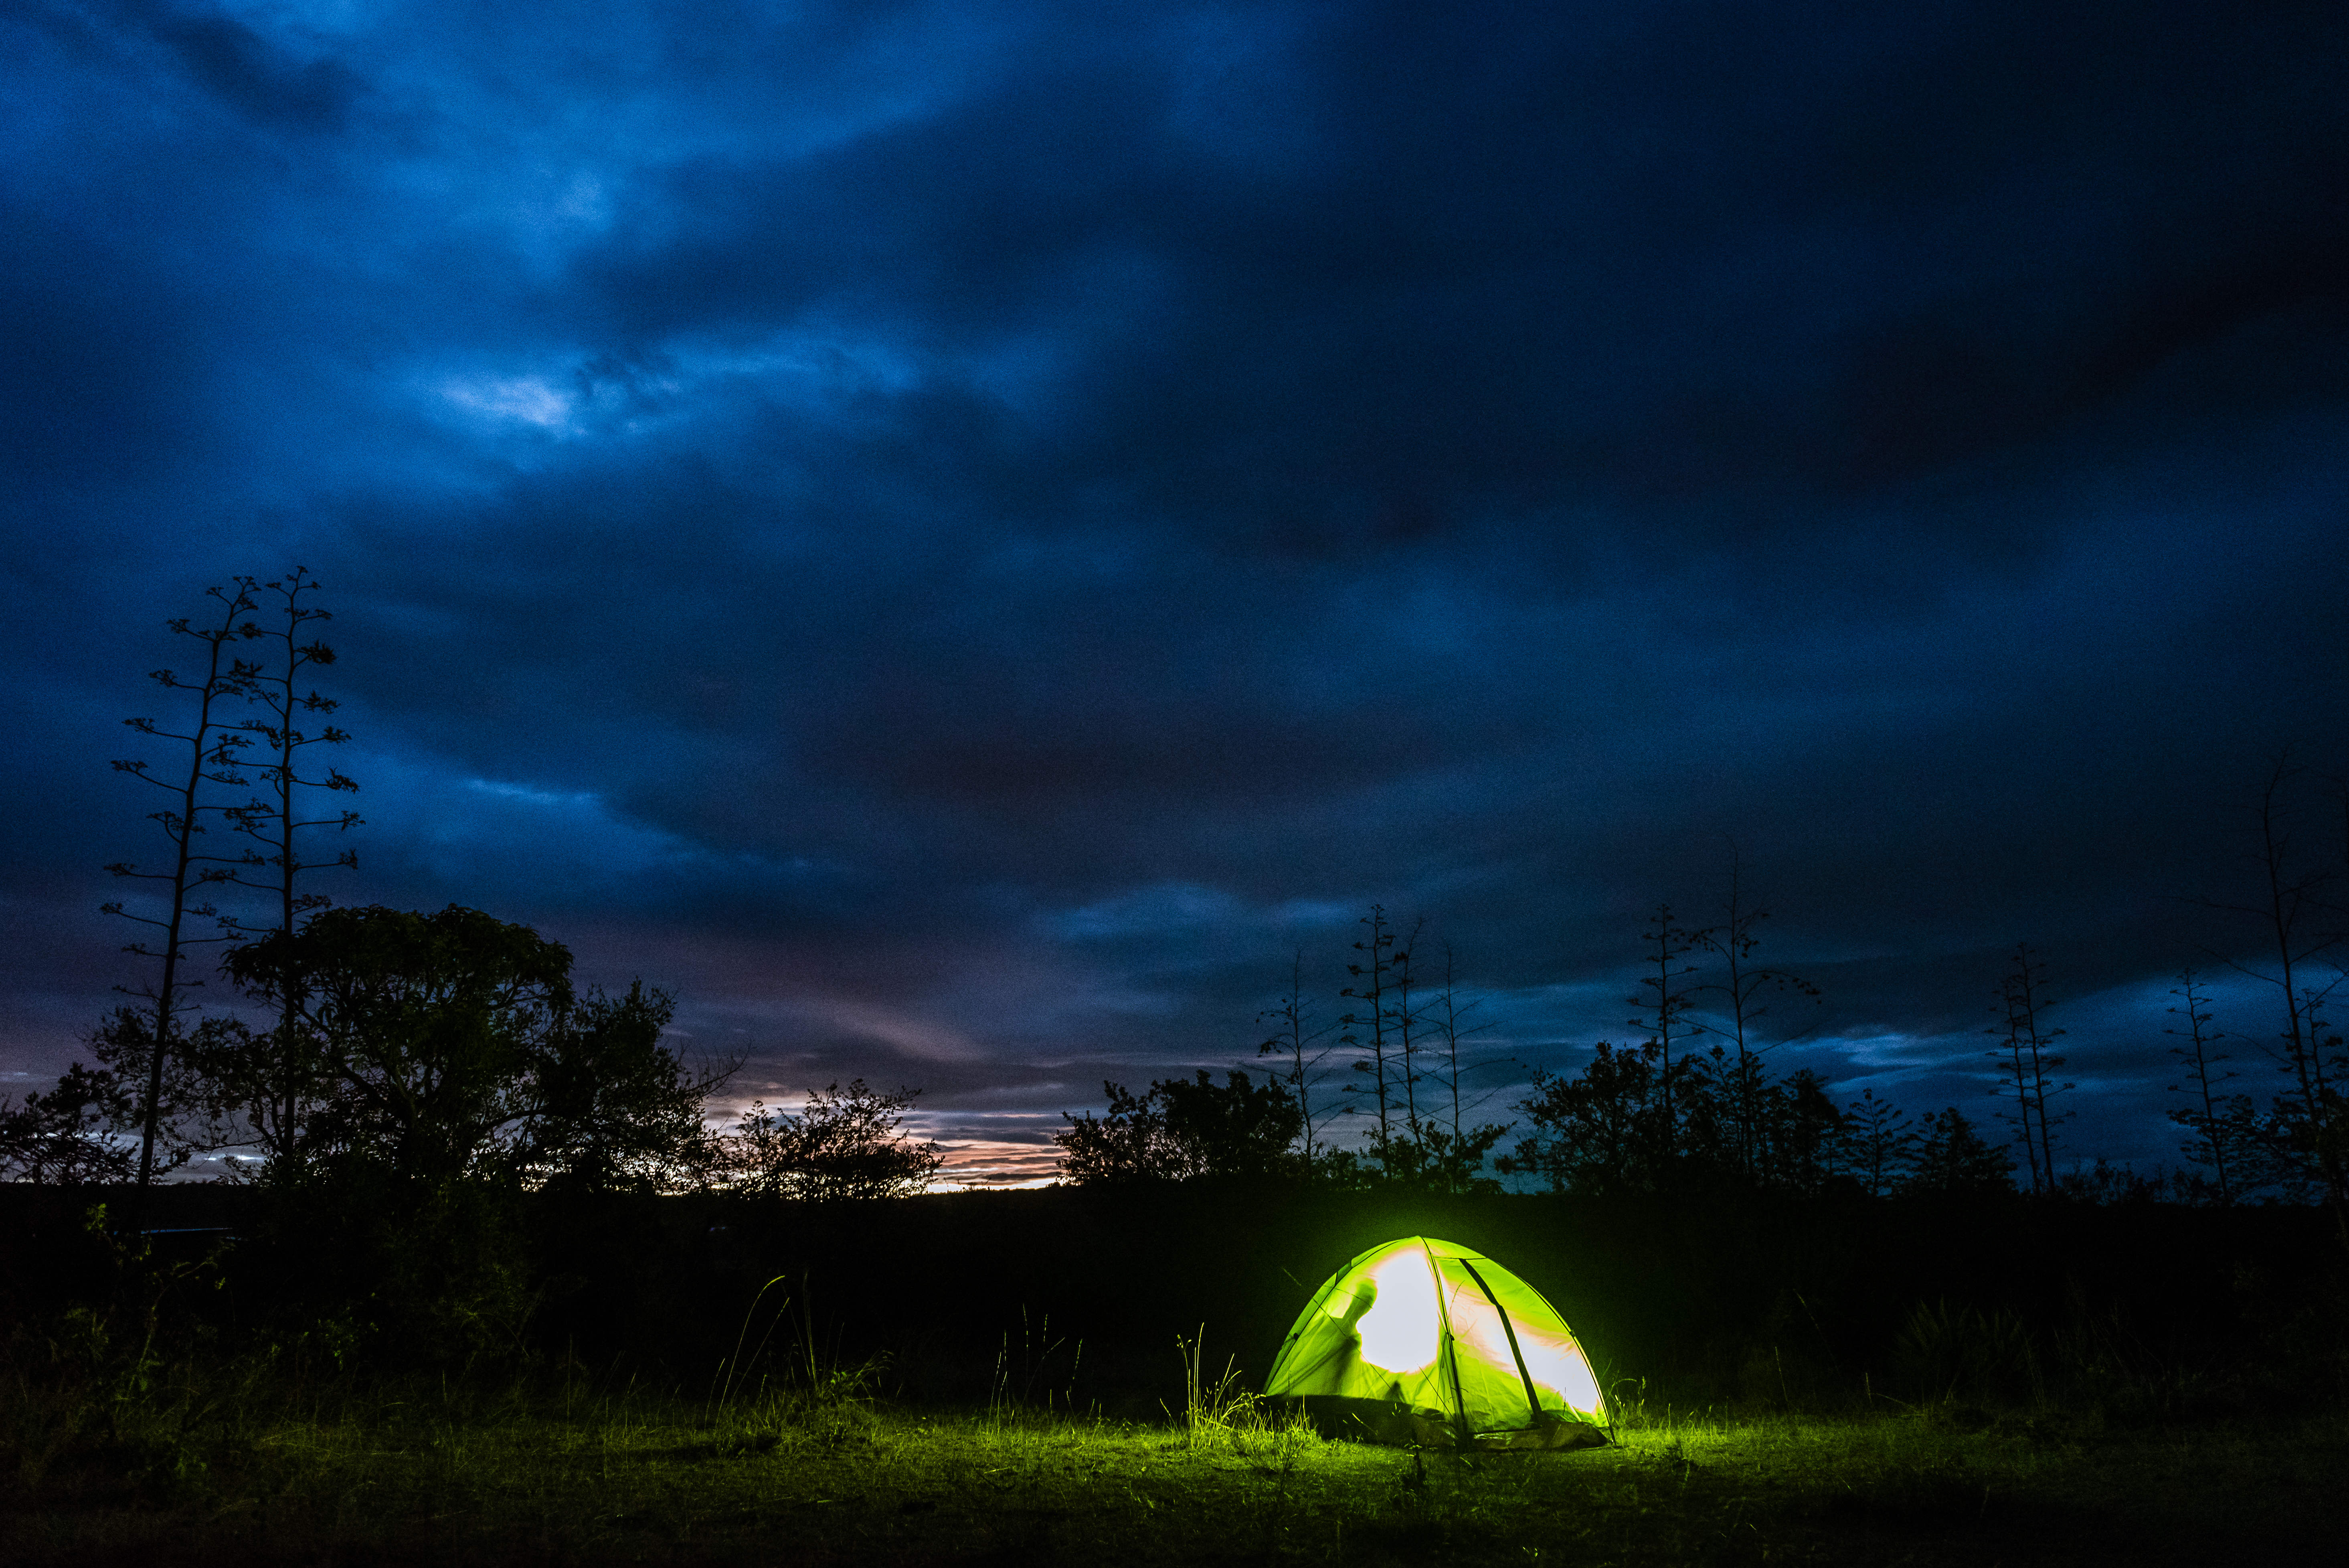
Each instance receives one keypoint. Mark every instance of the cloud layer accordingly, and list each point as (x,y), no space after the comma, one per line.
(961,536)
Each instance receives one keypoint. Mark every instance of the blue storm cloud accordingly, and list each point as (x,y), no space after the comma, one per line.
(960,536)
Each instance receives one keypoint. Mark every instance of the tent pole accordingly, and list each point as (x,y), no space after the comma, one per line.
(1448,1348)
(1533,1397)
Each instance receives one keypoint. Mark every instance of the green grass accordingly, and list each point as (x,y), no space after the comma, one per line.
(589,1472)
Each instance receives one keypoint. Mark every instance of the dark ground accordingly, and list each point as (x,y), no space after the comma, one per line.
(991,1377)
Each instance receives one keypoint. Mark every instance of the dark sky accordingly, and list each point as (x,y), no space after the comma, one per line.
(958,537)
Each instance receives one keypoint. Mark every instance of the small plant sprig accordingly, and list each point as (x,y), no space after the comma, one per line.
(1036,1351)
(816,1387)
(1225,1413)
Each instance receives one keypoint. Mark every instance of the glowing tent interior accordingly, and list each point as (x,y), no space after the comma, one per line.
(1421,1341)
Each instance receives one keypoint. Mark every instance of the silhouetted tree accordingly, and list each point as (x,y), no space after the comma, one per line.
(2222,1128)
(1803,1133)
(2026,1060)
(2307,1128)
(1368,1030)
(450,1046)
(1446,1018)
(276,1084)
(429,1031)
(844,1144)
(282,741)
(1454,1153)
(63,1136)
(1128,1144)
(1882,1139)
(1666,1003)
(1408,1158)
(617,1108)
(188,1120)
(1182,1129)
(1953,1158)
(1295,1038)
(2106,1185)
(1234,1128)
(212,756)
(1596,1131)
(1741,1078)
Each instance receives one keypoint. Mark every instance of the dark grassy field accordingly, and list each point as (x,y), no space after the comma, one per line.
(994,1378)
(618,1478)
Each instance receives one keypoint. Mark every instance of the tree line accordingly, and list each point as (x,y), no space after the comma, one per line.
(397,1050)
(398,1047)
(1686,1098)
(2293,1143)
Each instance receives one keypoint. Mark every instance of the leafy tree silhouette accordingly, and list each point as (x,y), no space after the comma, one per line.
(844,1144)
(1179,1129)
(62,1137)
(1953,1158)
(1882,1138)
(1597,1130)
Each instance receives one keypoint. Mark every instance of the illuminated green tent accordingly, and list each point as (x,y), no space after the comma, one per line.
(1421,1341)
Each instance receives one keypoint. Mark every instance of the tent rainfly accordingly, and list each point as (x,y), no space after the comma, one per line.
(1421,1341)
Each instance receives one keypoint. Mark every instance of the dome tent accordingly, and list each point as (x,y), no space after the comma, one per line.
(1421,1341)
